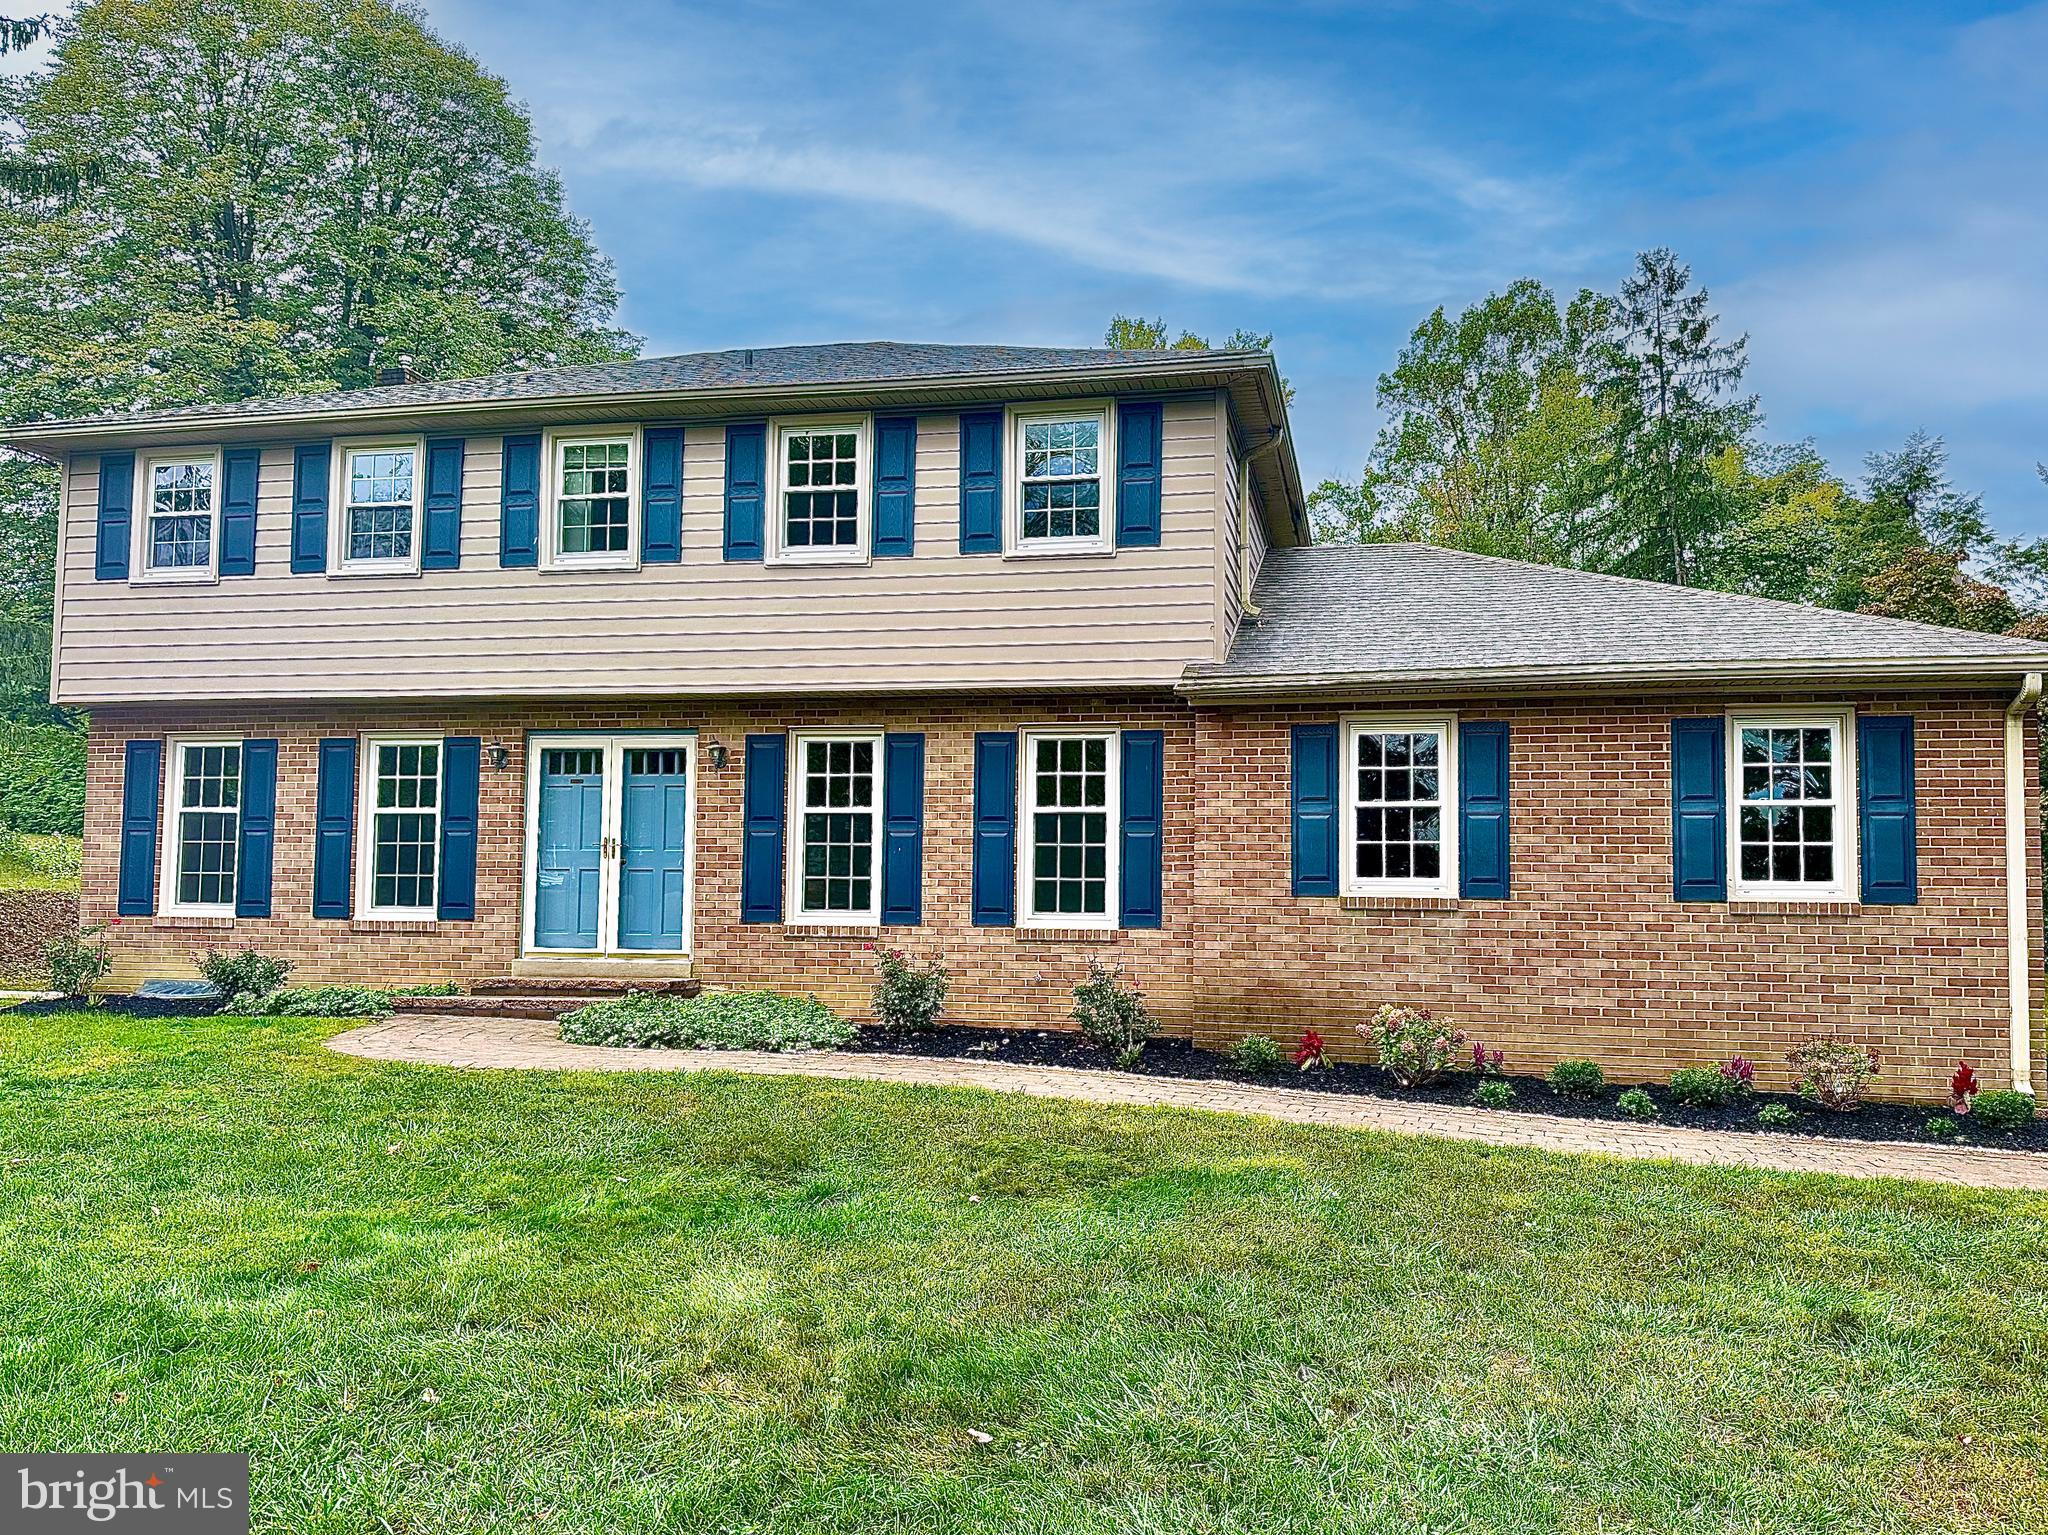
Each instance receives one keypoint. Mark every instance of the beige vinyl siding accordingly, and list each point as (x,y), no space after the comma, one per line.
(938,620)
(1229,524)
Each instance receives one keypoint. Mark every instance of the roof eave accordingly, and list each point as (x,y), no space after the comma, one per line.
(1198,685)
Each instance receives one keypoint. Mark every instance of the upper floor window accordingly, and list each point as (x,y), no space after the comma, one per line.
(821,497)
(204,811)
(1061,490)
(1070,813)
(179,531)
(594,503)
(1399,828)
(1792,820)
(401,834)
(836,808)
(379,523)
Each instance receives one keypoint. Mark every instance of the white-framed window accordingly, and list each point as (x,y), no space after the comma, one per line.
(1067,868)
(1792,820)
(1060,498)
(592,515)
(835,827)
(398,840)
(1400,819)
(177,516)
(821,511)
(202,828)
(377,493)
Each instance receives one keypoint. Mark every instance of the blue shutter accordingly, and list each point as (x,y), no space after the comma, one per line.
(259,829)
(310,463)
(141,788)
(519,503)
(1139,435)
(661,496)
(117,517)
(981,482)
(239,472)
(334,827)
(995,828)
(1144,803)
(441,543)
(1315,809)
(903,829)
(1699,810)
(1888,820)
(895,486)
(1483,810)
(746,496)
(761,843)
(461,764)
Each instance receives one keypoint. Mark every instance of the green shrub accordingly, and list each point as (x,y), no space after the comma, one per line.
(1494,1093)
(247,974)
(909,996)
(428,989)
(1705,1087)
(76,963)
(1258,1054)
(1941,1128)
(1415,1047)
(1779,1114)
(1578,1079)
(1637,1104)
(1111,1012)
(312,1002)
(1833,1072)
(716,1020)
(42,778)
(50,855)
(2002,1109)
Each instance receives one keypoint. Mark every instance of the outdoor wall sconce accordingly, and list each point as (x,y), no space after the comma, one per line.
(714,752)
(498,756)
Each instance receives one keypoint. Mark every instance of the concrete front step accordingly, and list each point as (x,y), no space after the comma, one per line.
(584,986)
(492,1006)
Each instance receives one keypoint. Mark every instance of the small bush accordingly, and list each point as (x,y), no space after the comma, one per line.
(1637,1104)
(428,989)
(1779,1114)
(2002,1109)
(1257,1054)
(1111,1012)
(76,963)
(1833,1072)
(1706,1087)
(1578,1079)
(1415,1046)
(909,996)
(245,974)
(311,1002)
(716,1020)
(1488,1063)
(1941,1128)
(1494,1093)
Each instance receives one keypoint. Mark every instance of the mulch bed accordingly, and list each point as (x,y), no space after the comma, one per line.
(1180,1058)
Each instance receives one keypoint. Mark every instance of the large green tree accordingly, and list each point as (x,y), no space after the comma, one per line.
(1135,333)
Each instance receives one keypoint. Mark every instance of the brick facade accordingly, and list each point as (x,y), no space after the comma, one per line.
(1591,956)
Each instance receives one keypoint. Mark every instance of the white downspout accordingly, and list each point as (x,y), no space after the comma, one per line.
(1244,518)
(2019,821)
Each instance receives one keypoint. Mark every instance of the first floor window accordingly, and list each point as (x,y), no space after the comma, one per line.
(179,517)
(820,490)
(379,505)
(838,827)
(1061,485)
(1790,819)
(1069,814)
(206,804)
(1400,836)
(593,499)
(403,837)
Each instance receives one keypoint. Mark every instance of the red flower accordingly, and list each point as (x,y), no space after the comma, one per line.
(1962,1087)
(1310,1051)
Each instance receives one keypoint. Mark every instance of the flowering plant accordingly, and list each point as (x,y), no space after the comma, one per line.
(1415,1046)
(1962,1087)
(1738,1069)
(1486,1062)
(1309,1053)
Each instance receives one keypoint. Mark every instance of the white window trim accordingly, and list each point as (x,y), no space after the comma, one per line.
(1847,883)
(793,836)
(1445,885)
(338,562)
(1111,917)
(139,571)
(861,551)
(552,443)
(169,848)
(365,907)
(1015,544)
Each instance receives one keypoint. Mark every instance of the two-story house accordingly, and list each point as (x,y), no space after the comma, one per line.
(738,664)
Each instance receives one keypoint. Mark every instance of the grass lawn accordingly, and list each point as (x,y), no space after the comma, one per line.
(37,862)
(427,1300)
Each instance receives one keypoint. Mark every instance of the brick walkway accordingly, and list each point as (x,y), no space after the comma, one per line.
(531,1044)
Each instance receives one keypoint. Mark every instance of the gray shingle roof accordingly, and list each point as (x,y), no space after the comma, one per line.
(1406,612)
(840,363)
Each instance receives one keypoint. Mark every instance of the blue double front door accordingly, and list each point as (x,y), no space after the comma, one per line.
(610,871)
